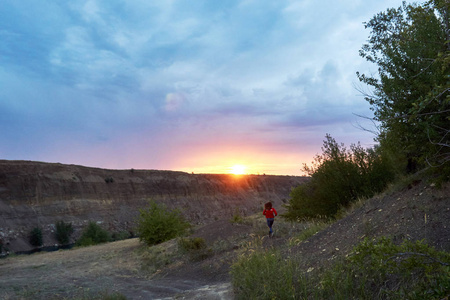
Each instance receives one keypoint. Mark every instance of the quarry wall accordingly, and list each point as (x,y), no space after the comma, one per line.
(39,194)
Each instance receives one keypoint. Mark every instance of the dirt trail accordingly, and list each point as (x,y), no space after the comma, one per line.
(113,267)
(127,267)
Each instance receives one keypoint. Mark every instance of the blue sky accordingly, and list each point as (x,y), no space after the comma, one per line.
(196,86)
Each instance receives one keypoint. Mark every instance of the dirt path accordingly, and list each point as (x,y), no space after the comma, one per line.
(86,272)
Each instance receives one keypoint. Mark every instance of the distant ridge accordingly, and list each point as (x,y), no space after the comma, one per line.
(39,194)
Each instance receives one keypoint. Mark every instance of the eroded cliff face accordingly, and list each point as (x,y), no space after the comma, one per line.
(39,194)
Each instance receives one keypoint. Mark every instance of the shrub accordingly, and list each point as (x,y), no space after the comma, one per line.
(157,224)
(122,235)
(339,177)
(63,232)
(188,244)
(237,218)
(109,180)
(93,234)
(195,247)
(264,275)
(35,237)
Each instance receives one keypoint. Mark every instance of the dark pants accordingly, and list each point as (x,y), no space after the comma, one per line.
(270,223)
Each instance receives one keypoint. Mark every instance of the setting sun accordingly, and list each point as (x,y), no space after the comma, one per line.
(238,169)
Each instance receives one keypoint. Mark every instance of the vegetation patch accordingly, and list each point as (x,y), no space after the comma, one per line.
(157,224)
(93,234)
(264,275)
(237,217)
(195,247)
(156,257)
(35,237)
(310,230)
(339,177)
(376,269)
(122,235)
(63,232)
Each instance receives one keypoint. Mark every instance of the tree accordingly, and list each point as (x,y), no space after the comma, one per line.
(411,98)
(157,224)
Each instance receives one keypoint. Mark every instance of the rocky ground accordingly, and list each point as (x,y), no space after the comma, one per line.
(417,210)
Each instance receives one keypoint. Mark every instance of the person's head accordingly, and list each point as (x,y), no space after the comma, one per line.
(268,205)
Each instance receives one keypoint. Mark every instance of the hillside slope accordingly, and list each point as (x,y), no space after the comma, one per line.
(39,194)
(416,211)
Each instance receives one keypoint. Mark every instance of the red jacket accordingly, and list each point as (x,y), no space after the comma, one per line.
(270,214)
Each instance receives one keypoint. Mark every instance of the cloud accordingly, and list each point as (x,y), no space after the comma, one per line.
(110,78)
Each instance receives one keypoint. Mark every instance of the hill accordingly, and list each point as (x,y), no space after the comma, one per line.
(37,194)
(415,210)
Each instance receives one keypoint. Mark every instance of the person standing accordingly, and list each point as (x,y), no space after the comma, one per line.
(270,214)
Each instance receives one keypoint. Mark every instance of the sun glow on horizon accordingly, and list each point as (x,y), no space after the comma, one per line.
(238,169)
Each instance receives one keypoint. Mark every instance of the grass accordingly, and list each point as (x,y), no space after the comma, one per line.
(310,229)
(195,248)
(376,269)
(156,257)
(263,275)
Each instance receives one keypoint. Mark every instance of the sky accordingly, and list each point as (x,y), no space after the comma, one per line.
(194,86)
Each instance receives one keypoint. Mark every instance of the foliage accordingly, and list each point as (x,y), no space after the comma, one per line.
(379,269)
(237,217)
(376,269)
(157,224)
(109,180)
(188,244)
(264,275)
(312,229)
(195,247)
(35,237)
(63,232)
(122,235)
(338,177)
(411,100)
(93,234)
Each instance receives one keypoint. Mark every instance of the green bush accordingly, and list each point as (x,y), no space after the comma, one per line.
(264,275)
(35,237)
(157,224)
(63,232)
(93,234)
(338,177)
